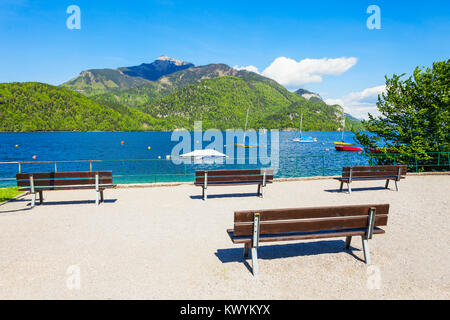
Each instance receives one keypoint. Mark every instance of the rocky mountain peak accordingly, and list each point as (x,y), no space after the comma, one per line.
(174,61)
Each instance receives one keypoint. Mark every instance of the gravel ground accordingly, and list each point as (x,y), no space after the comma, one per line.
(166,243)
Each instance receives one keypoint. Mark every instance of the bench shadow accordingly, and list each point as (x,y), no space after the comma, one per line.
(228,195)
(14,200)
(269,252)
(56,203)
(345,190)
(15,210)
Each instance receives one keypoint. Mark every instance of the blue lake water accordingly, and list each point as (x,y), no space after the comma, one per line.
(134,162)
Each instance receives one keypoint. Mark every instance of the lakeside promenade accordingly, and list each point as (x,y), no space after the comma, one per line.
(166,243)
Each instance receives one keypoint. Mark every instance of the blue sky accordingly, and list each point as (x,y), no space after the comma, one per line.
(36,45)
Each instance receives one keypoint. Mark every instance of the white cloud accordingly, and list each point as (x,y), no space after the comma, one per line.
(291,73)
(248,68)
(359,104)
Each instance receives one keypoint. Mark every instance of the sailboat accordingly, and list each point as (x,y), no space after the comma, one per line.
(345,146)
(301,138)
(342,143)
(244,144)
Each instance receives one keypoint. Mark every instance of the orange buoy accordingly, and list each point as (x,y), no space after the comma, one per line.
(34,157)
(121,142)
(16,145)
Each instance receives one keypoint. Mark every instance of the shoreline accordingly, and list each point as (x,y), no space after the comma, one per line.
(309,178)
(174,130)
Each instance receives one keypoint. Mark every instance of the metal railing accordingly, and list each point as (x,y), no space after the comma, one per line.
(417,161)
(162,170)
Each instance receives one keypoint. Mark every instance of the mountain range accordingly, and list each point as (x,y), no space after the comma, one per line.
(166,94)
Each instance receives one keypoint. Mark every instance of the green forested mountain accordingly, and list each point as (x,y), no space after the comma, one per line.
(40,107)
(96,81)
(144,92)
(110,99)
(109,83)
(223,102)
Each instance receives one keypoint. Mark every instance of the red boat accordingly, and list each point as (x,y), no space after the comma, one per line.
(348,148)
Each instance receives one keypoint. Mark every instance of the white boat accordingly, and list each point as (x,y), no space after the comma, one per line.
(203,154)
(303,139)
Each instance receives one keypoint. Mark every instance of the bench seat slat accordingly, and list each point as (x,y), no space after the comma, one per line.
(234,183)
(304,225)
(372,174)
(303,235)
(49,188)
(62,175)
(63,182)
(370,178)
(309,213)
(233,179)
(233,172)
(380,168)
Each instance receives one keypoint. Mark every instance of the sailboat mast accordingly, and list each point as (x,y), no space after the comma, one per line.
(301,124)
(246,120)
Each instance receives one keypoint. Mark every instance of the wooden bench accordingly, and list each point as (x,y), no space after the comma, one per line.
(46,181)
(207,178)
(256,226)
(393,172)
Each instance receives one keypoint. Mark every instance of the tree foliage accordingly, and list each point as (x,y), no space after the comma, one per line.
(41,107)
(414,115)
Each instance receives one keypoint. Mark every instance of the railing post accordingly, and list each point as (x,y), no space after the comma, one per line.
(56,167)
(415,160)
(90,166)
(20,168)
(448,158)
(323,165)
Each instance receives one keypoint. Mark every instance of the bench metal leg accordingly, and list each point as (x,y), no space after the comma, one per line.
(387,184)
(259,190)
(246,250)
(33,199)
(262,191)
(255,262)
(342,185)
(102,199)
(348,240)
(204,194)
(97,197)
(349,188)
(365,243)
(41,198)
(396,186)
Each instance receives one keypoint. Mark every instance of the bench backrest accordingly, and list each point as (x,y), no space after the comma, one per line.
(230,176)
(275,221)
(63,179)
(375,171)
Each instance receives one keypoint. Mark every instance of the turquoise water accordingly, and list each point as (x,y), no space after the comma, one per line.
(134,162)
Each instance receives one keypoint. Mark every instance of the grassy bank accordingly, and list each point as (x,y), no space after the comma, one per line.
(8,193)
